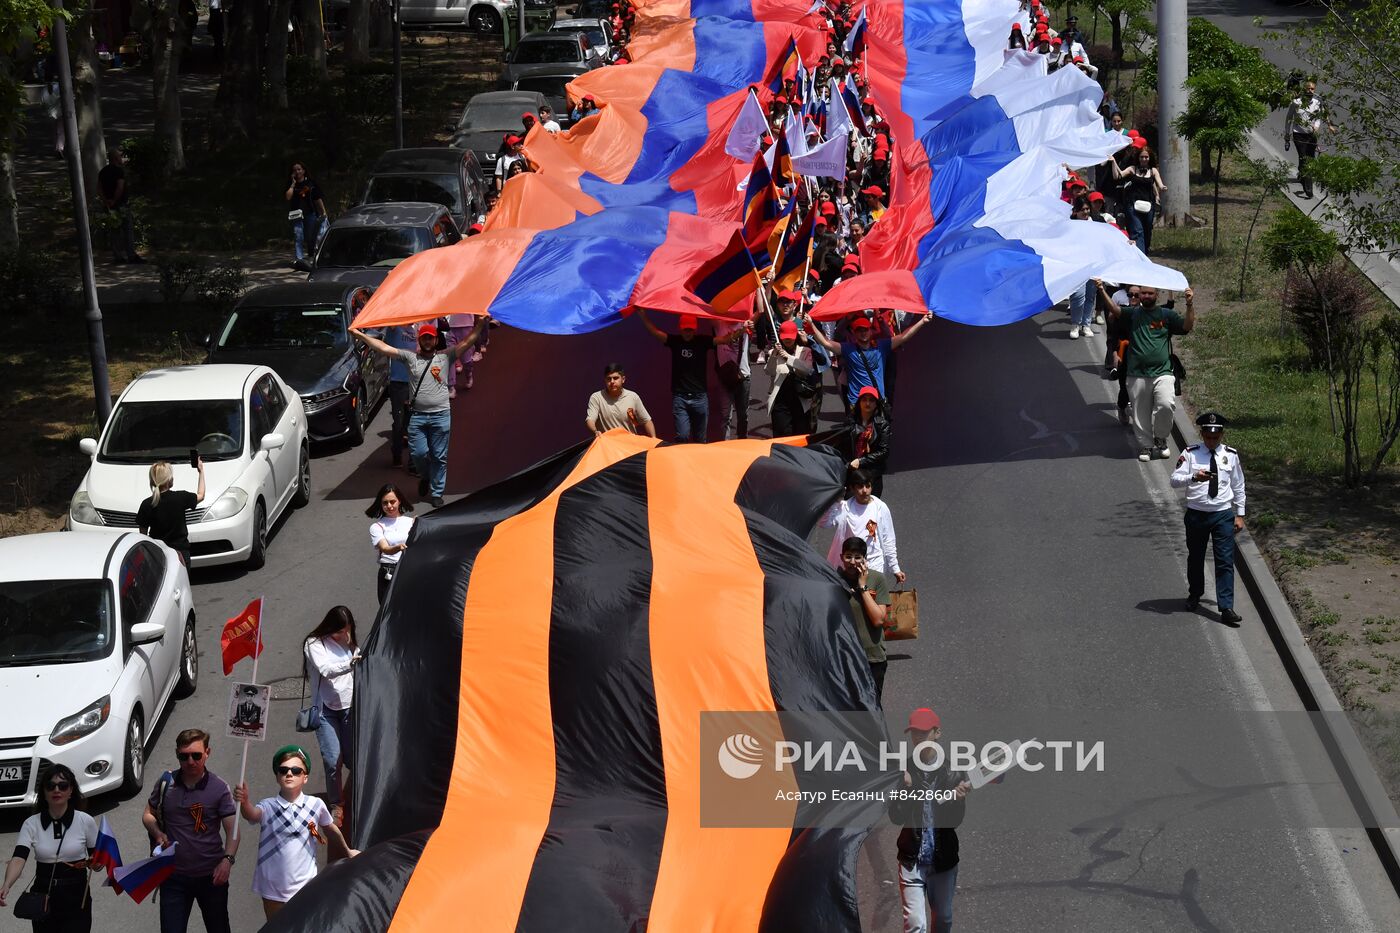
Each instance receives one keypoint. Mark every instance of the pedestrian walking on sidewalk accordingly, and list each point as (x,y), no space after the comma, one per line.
(1151,382)
(307,215)
(1301,127)
(1214,481)
(111,184)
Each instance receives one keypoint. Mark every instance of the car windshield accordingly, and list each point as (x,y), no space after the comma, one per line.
(546,51)
(435,189)
(55,621)
(144,432)
(347,247)
(320,326)
(548,85)
(595,36)
(494,117)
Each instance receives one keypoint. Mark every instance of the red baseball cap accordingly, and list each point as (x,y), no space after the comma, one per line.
(475,228)
(1140,142)
(851,259)
(689,322)
(787,329)
(513,140)
(529,117)
(1076,182)
(880,155)
(1134,134)
(789,295)
(868,390)
(923,720)
(863,323)
(873,189)
(427,330)
(589,97)
(828,207)
(820,222)
(1056,41)
(1095,195)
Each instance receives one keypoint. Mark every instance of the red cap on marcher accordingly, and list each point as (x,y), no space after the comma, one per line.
(1134,134)
(923,720)
(689,322)
(528,116)
(881,155)
(862,323)
(428,330)
(1095,195)
(828,207)
(513,140)
(851,259)
(819,222)
(475,228)
(868,390)
(1139,142)
(873,189)
(787,330)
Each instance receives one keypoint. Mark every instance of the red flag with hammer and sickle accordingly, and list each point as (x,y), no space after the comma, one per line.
(242,636)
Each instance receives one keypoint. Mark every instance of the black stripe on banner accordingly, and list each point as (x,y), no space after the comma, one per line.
(408,685)
(815,665)
(354,895)
(597,863)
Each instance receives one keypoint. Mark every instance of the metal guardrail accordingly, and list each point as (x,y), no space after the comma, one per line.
(1344,749)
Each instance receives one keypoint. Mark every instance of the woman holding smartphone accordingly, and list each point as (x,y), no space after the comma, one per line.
(162,515)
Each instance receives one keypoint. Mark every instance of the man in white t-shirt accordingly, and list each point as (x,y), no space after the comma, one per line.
(615,406)
(547,119)
(866,516)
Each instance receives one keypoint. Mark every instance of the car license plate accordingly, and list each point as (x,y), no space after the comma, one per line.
(11,772)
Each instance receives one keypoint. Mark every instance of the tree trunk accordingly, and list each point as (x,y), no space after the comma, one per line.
(174,32)
(1205,162)
(313,35)
(241,80)
(9,203)
(357,33)
(277,52)
(1215,208)
(87,98)
(1116,16)
(381,25)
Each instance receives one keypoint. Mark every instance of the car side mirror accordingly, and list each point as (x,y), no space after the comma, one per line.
(146,632)
(88,446)
(272,442)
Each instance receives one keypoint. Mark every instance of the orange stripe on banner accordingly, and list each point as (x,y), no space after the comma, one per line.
(606,145)
(707,654)
(671,45)
(473,871)
(459,279)
(540,201)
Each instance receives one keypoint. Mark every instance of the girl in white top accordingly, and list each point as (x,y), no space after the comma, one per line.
(331,652)
(61,838)
(865,516)
(389,533)
(293,824)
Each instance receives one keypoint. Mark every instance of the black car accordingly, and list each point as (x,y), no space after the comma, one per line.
(302,332)
(486,120)
(365,243)
(450,177)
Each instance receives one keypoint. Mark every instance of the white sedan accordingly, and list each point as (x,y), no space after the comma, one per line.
(96,637)
(250,430)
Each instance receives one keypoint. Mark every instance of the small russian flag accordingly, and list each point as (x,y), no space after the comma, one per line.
(105,852)
(141,878)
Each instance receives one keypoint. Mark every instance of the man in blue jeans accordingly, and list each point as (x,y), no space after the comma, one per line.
(690,394)
(928,843)
(191,806)
(429,404)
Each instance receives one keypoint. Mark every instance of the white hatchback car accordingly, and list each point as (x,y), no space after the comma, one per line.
(97,635)
(249,428)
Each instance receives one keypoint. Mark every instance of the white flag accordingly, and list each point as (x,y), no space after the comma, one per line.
(827,160)
(838,118)
(796,138)
(749,127)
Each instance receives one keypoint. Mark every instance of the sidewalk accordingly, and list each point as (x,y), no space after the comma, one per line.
(140,284)
(1385,273)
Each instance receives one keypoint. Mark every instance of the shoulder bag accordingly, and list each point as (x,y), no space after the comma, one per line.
(308,717)
(883,405)
(413,399)
(32,905)
(1178,369)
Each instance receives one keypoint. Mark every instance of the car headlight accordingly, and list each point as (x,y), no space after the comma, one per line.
(227,505)
(81,724)
(81,510)
(322,399)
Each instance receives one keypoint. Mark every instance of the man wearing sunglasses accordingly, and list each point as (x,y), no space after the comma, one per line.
(194,807)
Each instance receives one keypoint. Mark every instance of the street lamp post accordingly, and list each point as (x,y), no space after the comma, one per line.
(1173,152)
(72,152)
(398,76)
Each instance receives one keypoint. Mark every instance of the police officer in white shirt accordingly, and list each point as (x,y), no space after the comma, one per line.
(1214,481)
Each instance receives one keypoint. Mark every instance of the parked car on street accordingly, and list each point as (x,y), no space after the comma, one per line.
(366,242)
(488,117)
(484,16)
(248,426)
(97,637)
(553,84)
(598,31)
(446,176)
(302,332)
(553,53)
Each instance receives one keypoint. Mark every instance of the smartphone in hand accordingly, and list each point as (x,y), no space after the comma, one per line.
(194,459)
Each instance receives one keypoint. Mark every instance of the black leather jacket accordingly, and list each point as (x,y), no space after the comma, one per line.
(947,816)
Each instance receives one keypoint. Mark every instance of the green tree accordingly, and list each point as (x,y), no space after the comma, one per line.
(1220,112)
(1269,177)
(1294,241)
(1210,48)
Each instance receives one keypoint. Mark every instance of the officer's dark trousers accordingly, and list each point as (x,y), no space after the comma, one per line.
(1218,528)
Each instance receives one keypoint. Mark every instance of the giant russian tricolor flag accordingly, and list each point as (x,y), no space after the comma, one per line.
(630,204)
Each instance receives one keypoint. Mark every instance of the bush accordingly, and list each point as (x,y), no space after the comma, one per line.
(147,162)
(222,285)
(219,285)
(1348,298)
(34,280)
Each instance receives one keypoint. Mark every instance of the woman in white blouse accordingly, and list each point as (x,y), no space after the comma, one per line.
(389,533)
(61,838)
(331,652)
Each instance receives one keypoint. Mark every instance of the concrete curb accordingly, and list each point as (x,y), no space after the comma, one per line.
(1344,748)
